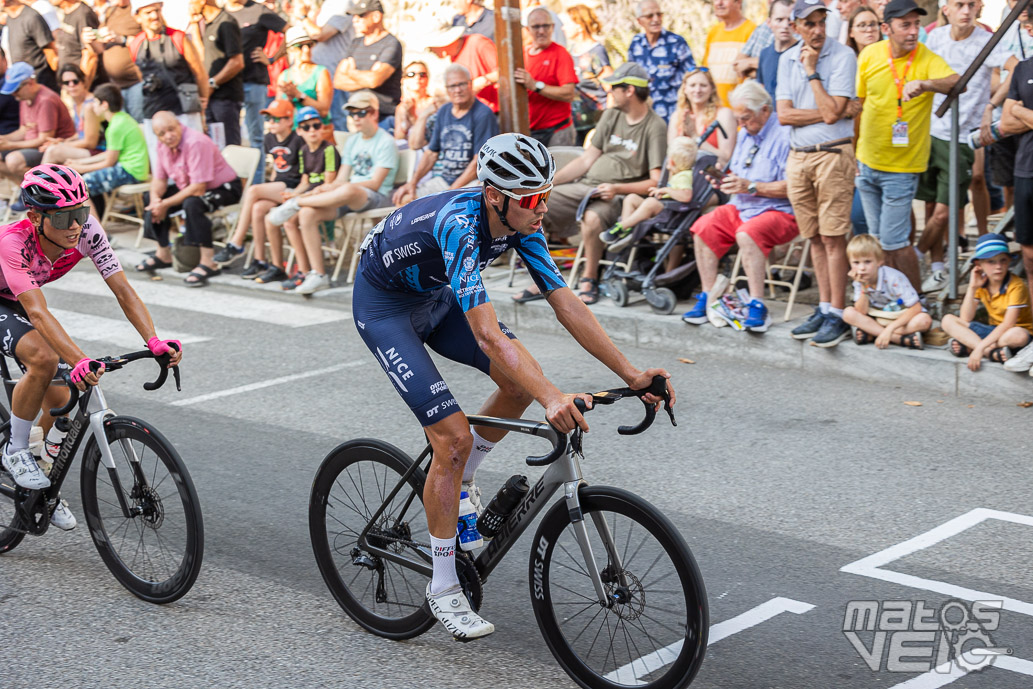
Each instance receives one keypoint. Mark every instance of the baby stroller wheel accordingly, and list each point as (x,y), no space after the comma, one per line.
(618,291)
(661,299)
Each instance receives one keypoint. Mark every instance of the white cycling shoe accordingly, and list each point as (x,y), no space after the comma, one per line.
(22,467)
(453,610)
(63,517)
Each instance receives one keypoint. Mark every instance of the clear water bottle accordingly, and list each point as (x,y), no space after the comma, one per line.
(897,305)
(469,538)
(502,505)
(975,139)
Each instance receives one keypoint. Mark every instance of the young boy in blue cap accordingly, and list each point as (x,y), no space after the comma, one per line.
(1006,300)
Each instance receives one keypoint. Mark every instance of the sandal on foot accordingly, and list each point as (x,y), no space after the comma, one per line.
(999,354)
(591,295)
(958,349)
(862,338)
(912,341)
(200,279)
(527,295)
(151,264)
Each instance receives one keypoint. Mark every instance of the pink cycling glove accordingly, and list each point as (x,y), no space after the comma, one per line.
(159,347)
(82,368)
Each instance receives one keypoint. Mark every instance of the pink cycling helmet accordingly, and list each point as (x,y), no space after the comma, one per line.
(53,186)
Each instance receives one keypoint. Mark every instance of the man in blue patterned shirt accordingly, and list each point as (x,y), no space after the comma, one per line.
(665,55)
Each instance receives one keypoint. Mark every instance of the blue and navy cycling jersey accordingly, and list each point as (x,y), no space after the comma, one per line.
(444,239)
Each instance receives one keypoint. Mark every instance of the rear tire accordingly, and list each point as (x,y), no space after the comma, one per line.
(662,603)
(11,530)
(350,486)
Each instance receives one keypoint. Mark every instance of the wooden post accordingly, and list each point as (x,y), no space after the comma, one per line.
(509,44)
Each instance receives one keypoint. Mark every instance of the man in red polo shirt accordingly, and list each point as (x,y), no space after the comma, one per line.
(477,54)
(42,116)
(549,78)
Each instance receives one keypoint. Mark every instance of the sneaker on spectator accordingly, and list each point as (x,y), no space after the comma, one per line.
(255,269)
(228,254)
(1022,361)
(313,282)
(293,281)
(284,212)
(758,319)
(623,243)
(22,467)
(936,281)
(613,234)
(697,315)
(809,328)
(63,517)
(271,274)
(832,332)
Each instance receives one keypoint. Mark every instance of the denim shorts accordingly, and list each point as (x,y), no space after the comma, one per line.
(981,329)
(108,179)
(886,198)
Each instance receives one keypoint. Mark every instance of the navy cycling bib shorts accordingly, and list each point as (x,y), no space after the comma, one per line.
(419,274)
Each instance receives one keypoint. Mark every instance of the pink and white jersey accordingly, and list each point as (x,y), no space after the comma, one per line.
(23,266)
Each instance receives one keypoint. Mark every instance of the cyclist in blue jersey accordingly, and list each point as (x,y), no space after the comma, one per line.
(419,283)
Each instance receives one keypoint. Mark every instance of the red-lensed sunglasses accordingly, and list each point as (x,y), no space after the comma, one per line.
(528,201)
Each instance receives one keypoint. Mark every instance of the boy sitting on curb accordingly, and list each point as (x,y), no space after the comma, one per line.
(1006,301)
(878,286)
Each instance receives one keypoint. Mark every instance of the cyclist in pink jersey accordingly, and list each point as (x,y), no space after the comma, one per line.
(58,232)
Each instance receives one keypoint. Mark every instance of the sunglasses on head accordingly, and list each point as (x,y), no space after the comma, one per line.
(416,74)
(71,82)
(359,114)
(528,201)
(63,219)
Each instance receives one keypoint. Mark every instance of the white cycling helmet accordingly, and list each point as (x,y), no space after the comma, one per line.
(514,162)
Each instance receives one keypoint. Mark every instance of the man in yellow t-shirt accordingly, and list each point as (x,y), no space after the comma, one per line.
(895,80)
(725,41)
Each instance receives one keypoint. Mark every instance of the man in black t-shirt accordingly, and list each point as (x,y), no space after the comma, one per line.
(1017,120)
(71,46)
(255,21)
(31,41)
(222,54)
(375,62)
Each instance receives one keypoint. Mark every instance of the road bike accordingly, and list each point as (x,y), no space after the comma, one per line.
(615,590)
(140,505)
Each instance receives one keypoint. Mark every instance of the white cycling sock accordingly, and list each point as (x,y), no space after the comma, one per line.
(443,551)
(20,429)
(478,452)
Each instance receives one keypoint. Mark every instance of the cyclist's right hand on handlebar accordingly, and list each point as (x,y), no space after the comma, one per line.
(564,416)
(174,348)
(87,372)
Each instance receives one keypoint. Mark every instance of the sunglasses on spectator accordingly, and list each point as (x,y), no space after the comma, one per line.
(751,155)
(528,201)
(274,120)
(866,25)
(421,75)
(71,82)
(315,126)
(359,114)
(63,220)
(651,15)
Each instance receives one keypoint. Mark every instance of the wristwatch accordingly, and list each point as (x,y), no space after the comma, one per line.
(538,86)
(752,188)
(211,83)
(814,77)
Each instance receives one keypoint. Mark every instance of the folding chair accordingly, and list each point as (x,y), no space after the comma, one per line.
(244,161)
(798,244)
(135,193)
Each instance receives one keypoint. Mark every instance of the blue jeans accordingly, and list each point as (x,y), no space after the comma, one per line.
(256,99)
(857,214)
(887,197)
(338,116)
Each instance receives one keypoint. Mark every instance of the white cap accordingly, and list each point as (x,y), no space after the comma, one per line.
(137,5)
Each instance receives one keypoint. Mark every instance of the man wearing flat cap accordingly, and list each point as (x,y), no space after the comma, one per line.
(375,62)
(896,80)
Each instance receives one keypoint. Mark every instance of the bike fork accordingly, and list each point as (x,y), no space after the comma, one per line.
(99,413)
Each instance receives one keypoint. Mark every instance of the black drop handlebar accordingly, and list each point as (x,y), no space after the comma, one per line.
(113,363)
(559,440)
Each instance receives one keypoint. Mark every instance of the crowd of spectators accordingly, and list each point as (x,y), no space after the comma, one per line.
(816,123)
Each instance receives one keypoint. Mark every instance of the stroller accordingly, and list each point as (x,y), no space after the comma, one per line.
(645,259)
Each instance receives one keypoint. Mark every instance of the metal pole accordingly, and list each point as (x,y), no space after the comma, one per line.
(952,225)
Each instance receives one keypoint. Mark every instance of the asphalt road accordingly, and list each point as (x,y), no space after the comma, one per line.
(776,481)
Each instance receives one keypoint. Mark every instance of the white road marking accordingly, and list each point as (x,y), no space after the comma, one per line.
(265,383)
(947,673)
(871,566)
(630,673)
(206,301)
(82,326)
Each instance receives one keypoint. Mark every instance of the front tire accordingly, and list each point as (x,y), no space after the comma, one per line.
(659,601)
(156,551)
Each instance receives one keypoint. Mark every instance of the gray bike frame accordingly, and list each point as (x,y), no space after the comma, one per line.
(563,473)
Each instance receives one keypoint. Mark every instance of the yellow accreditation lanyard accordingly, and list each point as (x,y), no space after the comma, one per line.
(900,134)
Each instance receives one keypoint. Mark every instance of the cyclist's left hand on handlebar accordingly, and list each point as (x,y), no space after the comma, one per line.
(645,379)
(174,348)
(86,372)
(564,416)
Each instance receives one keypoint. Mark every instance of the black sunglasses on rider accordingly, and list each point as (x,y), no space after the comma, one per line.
(63,219)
